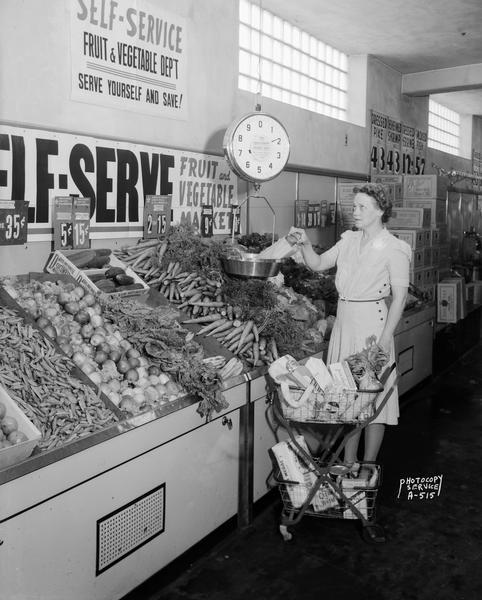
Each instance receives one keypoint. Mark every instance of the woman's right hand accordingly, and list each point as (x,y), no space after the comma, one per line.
(297,236)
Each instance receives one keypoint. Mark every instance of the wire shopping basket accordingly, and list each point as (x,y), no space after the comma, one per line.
(314,405)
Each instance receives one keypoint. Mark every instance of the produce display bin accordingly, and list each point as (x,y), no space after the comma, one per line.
(14,454)
(59,262)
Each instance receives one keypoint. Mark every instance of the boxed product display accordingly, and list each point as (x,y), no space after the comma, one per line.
(14,425)
(427,257)
(409,218)
(424,186)
(393,187)
(417,277)
(451,302)
(415,238)
(114,277)
(434,237)
(436,206)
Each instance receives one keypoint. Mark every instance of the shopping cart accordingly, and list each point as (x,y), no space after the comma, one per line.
(328,487)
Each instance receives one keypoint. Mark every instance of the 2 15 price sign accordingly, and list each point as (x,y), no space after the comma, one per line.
(157,215)
(13,222)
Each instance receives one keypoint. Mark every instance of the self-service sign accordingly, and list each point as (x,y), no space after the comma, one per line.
(13,222)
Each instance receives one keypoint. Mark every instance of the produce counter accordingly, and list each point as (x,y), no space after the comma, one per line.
(78,527)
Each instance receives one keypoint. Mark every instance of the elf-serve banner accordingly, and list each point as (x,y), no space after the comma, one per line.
(37,166)
(130,55)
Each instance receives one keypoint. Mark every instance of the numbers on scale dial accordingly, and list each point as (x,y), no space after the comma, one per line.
(261,147)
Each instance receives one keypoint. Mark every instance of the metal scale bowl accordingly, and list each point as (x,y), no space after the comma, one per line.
(250,264)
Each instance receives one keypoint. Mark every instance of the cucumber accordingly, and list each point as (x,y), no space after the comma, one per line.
(113,271)
(123,279)
(98,262)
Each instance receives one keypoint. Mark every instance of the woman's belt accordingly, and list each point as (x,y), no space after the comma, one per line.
(343,299)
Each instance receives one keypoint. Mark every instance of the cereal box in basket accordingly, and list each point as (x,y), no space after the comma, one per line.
(98,270)
(14,420)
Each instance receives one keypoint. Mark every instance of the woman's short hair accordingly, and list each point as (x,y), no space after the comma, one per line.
(377,192)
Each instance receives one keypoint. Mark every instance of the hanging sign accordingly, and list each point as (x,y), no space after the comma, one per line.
(408,149)
(81,223)
(13,222)
(301,213)
(420,151)
(207,214)
(393,147)
(157,215)
(63,223)
(117,176)
(378,157)
(129,55)
(71,222)
(235,220)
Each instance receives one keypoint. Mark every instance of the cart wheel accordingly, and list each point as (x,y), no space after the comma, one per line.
(372,533)
(286,535)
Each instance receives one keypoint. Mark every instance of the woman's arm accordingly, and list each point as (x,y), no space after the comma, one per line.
(318,262)
(399,296)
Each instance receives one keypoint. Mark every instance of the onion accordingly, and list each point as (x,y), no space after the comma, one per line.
(43,322)
(87,330)
(133,353)
(114,385)
(153,370)
(72,308)
(89,299)
(163,379)
(100,357)
(97,339)
(79,358)
(95,377)
(17,437)
(132,375)
(123,366)
(50,331)
(79,292)
(97,321)
(82,317)
(88,368)
(63,298)
(9,424)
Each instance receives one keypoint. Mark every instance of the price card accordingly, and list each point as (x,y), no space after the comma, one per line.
(301,213)
(63,222)
(157,215)
(235,220)
(81,223)
(13,222)
(207,220)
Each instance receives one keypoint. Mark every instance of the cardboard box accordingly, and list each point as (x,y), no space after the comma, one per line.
(424,186)
(436,275)
(409,218)
(59,262)
(415,238)
(427,257)
(477,292)
(430,291)
(417,277)
(393,185)
(435,256)
(14,454)
(417,261)
(451,302)
(434,237)
(428,276)
(436,206)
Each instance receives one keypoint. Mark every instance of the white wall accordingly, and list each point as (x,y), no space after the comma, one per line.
(35,92)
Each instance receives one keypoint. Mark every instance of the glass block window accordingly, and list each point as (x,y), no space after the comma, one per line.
(443,128)
(280,61)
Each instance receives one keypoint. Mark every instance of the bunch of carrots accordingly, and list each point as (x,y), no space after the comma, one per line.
(200,297)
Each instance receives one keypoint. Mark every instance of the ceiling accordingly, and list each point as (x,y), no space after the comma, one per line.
(408,35)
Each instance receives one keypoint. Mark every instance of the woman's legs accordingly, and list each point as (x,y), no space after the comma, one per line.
(373,440)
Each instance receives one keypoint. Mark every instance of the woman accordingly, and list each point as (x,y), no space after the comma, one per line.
(371,264)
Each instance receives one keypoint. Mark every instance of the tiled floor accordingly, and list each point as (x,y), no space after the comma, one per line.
(434,547)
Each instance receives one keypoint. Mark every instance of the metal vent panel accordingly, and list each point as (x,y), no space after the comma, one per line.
(131,526)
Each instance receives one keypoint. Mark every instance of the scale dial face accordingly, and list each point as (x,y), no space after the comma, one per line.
(257,147)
